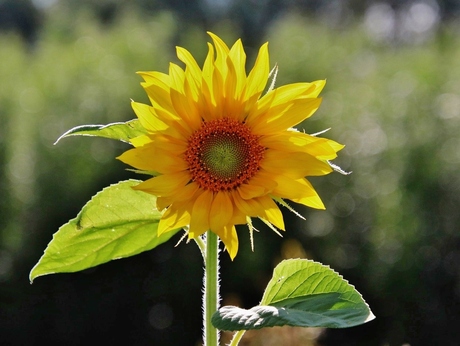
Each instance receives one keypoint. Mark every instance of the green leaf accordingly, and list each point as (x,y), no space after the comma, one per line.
(119,131)
(117,222)
(301,293)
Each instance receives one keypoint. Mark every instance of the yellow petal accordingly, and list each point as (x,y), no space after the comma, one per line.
(291,92)
(207,100)
(232,106)
(313,201)
(277,101)
(190,63)
(185,194)
(248,207)
(219,75)
(165,162)
(221,54)
(238,217)
(261,107)
(218,92)
(235,82)
(174,218)
(319,85)
(151,77)
(299,190)
(229,237)
(279,120)
(163,202)
(164,185)
(221,211)
(176,127)
(294,164)
(334,145)
(159,95)
(185,108)
(141,140)
(208,66)
(259,122)
(137,157)
(147,118)
(258,77)
(193,90)
(300,110)
(200,214)
(177,77)
(291,141)
(174,145)
(271,212)
(258,185)
(323,149)
(248,191)
(238,60)
(263,207)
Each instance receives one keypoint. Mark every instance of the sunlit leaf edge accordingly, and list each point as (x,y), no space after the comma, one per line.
(122,131)
(38,271)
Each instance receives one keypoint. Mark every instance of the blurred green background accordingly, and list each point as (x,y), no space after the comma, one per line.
(391,228)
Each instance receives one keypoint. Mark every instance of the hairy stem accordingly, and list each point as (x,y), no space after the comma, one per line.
(211,289)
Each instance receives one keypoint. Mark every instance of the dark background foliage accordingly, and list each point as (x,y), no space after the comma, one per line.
(391,228)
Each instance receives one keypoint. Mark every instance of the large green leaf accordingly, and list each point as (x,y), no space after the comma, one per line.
(119,131)
(117,222)
(301,293)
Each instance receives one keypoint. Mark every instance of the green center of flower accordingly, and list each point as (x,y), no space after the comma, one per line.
(223,154)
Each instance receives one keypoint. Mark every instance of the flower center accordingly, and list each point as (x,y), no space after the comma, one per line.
(223,154)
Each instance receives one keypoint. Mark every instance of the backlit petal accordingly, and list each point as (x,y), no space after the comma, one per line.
(177,77)
(276,120)
(271,212)
(221,211)
(137,158)
(300,191)
(221,54)
(147,118)
(140,141)
(229,237)
(294,164)
(250,207)
(322,148)
(261,184)
(164,185)
(238,60)
(175,217)
(258,77)
(186,109)
(200,214)
(191,65)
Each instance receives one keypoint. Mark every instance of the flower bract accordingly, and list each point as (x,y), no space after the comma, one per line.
(223,150)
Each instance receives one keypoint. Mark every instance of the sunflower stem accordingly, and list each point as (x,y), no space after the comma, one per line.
(211,289)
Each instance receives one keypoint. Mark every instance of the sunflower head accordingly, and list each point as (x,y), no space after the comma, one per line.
(224,151)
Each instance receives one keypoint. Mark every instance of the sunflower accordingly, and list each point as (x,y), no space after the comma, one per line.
(222,151)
